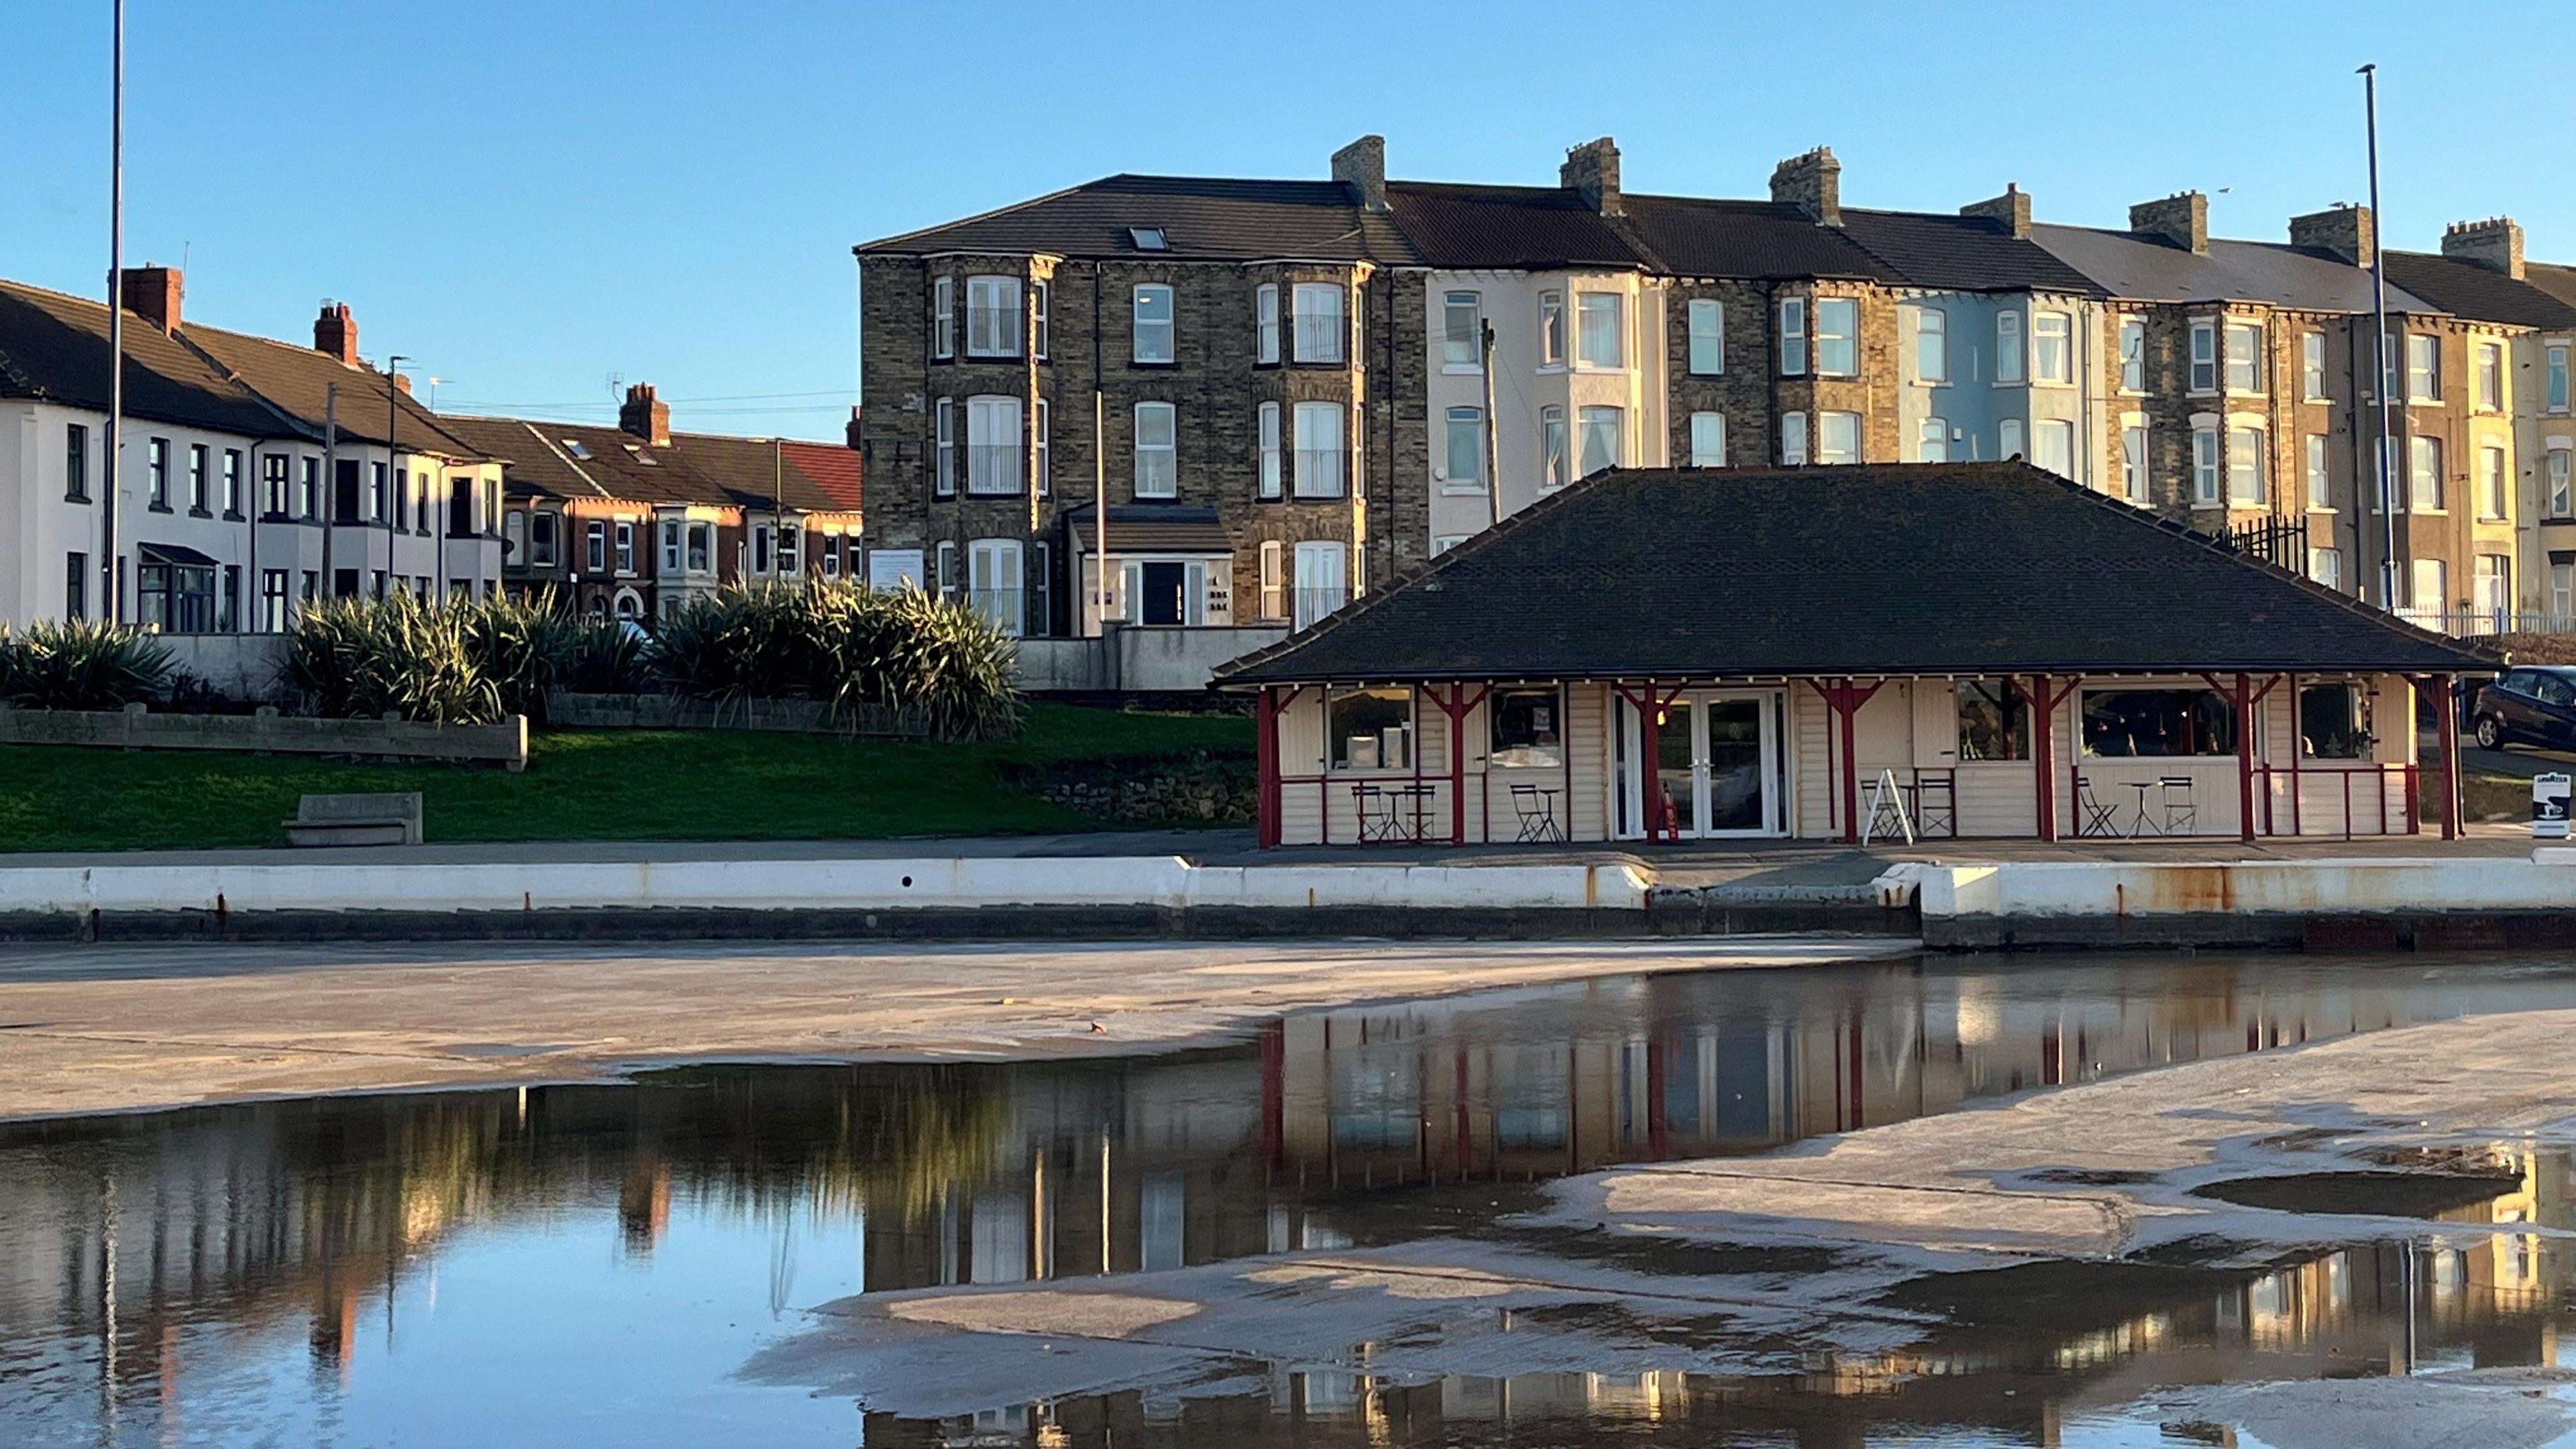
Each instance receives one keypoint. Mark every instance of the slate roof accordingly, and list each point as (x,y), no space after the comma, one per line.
(1203,218)
(53,347)
(586,460)
(1505,226)
(2557,279)
(1962,253)
(2139,269)
(1695,237)
(1925,568)
(1144,527)
(302,381)
(2468,290)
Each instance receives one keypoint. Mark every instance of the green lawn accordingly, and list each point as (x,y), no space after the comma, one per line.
(595,785)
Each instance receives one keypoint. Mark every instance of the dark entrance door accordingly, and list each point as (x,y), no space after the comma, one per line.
(1163,584)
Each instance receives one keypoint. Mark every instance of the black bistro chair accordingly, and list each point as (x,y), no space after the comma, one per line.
(2093,814)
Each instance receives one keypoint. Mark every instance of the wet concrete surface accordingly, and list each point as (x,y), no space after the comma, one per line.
(628,1263)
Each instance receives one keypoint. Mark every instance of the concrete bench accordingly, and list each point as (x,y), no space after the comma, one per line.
(389,819)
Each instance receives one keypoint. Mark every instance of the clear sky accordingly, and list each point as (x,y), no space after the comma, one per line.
(532,197)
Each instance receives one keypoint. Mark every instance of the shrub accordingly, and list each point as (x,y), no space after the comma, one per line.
(522,647)
(357,658)
(81,664)
(847,647)
(608,658)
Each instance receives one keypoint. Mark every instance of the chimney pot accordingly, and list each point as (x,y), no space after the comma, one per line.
(151,291)
(2342,230)
(1813,183)
(2180,220)
(2495,243)
(1591,170)
(1362,166)
(851,433)
(645,416)
(335,332)
(2012,209)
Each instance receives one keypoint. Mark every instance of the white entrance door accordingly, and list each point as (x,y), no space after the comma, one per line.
(1707,769)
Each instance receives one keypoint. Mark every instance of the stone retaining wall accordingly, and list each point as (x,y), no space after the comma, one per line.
(268,732)
(566,710)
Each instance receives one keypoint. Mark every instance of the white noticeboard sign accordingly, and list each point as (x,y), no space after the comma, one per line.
(2549,807)
(890,569)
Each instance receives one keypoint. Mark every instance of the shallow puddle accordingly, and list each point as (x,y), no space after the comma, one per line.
(597,1263)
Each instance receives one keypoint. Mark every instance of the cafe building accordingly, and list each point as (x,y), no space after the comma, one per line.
(1846,653)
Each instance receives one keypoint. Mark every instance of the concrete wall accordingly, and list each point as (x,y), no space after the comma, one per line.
(243,666)
(1136,659)
(267,732)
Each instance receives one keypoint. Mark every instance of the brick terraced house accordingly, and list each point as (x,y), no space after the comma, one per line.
(634,521)
(1288,390)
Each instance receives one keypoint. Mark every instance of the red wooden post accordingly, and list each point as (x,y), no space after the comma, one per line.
(2243,699)
(2298,747)
(2450,747)
(1267,738)
(1849,705)
(2043,754)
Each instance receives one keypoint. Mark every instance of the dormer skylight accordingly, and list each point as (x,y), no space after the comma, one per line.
(1149,238)
(574,447)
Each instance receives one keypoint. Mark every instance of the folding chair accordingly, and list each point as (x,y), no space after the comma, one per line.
(2094,815)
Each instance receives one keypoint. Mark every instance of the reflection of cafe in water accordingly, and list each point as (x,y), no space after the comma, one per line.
(296,1219)
(1962,650)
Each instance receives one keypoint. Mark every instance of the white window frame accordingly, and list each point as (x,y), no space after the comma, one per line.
(993,446)
(2555,360)
(2320,479)
(2486,371)
(2424,482)
(2052,348)
(1555,447)
(996,582)
(2438,572)
(1040,293)
(1837,337)
(1265,323)
(943,318)
(2208,464)
(944,565)
(624,547)
(1320,334)
(1315,596)
(2558,484)
(1705,321)
(2248,465)
(2133,458)
(1273,566)
(2495,483)
(2042,431)
(1792,328)
(1462,353)
(1152,342)
(998,312)
(1551,328)
(1589,306)
(2423,368)
(1932,440)
(944,448)
(2244,341)
(1462,431)
(1043,427)
(1322,463)
(2205,369)
(1793,440)
(1931,346)
(2011,355)
(2325,566)
(2009,442)
(1837,438)
(1157,465)
(1588,424)
(1708,440)
(2312,366)
(2133,354)
(1265,424)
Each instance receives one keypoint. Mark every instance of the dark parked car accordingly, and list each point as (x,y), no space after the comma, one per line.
(2536,705)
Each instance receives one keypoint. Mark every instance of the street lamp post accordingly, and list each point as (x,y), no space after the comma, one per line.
(2380,388)
(111,577)
(393,459)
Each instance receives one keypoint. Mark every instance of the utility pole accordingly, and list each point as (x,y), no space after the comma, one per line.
(111,575)
(1493,428)
(394,490)
(1100,498)
(2380,388)
(330,487)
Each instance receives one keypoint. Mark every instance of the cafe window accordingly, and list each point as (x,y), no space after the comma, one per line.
(1526,727)
(1371,728)
(2334,723)
(2158,722)
(1994,721)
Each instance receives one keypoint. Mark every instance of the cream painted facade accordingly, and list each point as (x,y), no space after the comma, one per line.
(1535,396)
(2545,461)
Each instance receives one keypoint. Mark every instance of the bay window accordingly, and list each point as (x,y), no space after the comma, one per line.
(1599,339)
(1837,438)
(992,445)
(1551,329)
(1601,438)
(992,316)
(2204,354)
(1265,322)
(2052,347)
(2244,357)
(1319,323)
(1319,449)
(2053,446)
(1793,336)
(2206,483)
(1267,424)
(1837,337)
(1552,447)
(2245,467)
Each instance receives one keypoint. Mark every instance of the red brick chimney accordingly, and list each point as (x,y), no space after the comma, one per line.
(335,332)
(645,415)
(151,291)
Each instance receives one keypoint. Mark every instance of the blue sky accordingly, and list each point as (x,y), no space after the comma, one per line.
(534,196)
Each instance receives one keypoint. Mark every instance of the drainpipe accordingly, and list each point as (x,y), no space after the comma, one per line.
(330,480)
(253,597)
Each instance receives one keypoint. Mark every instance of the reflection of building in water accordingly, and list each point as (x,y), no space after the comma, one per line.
(292,1218)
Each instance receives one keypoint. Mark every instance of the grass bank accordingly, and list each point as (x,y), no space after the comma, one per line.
(597,785)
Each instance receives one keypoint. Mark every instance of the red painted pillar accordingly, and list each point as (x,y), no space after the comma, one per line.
(1456,709)
(1847,704)
(1267,744)
(2244,703)
(2043,754)
(2450,747)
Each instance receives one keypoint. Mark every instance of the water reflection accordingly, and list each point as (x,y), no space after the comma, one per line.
(331,1268)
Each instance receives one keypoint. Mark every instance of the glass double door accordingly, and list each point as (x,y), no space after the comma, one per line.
(1710,768)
